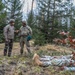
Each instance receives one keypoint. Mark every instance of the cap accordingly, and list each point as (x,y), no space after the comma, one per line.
(24,22)
(11,20)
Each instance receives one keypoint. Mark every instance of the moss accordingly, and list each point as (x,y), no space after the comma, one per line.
(66,73)
(37,69)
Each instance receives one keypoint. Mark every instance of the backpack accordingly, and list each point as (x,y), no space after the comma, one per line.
(29,37)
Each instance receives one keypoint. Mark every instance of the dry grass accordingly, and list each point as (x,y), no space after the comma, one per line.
(31,69)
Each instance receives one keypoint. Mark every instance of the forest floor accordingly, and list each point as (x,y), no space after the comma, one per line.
(24,65)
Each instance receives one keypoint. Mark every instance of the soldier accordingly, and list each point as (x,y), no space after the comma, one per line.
(9,36)
(24,32)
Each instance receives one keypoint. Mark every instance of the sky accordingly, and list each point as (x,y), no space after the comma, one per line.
(74,2)
(27,7)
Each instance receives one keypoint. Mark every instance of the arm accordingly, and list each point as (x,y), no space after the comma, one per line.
(19,32)
(6,33)
(30,30)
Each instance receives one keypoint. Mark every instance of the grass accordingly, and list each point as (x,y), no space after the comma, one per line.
(27,62)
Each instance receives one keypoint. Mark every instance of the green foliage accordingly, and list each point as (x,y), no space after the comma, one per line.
(38,36)
(37,69)
(51,19)
(72,27)
(2,20)
(47,23)
(66,73)
(1,5)
(39,39)
(30,19)
(15,12)
(42,52)
(1,38)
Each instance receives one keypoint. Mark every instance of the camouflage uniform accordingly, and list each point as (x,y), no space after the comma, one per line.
(24,32)
(9,36)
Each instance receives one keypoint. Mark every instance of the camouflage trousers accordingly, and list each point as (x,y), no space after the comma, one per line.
(8,47)
(23,40)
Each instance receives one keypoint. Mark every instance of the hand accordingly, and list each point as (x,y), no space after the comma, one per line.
(17,31)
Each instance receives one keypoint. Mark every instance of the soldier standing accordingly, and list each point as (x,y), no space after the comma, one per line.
(9,36)
(24,32)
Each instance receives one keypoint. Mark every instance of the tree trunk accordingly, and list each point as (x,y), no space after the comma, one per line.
(32,7)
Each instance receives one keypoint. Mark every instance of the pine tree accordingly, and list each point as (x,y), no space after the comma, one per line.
(72,27)
(51,15)
(30,19)
(47,21)
(14,11)
(2,19)
(30,16)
